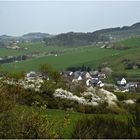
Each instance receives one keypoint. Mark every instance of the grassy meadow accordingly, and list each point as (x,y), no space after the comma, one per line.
(57,117)
(60,62)
(132,42)
(67,57)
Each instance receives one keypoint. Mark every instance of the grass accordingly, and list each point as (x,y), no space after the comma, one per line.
(131,42)
(127,96)
(133,73)
(61,62)
(10,52)
(38,47)
(88,55)
(57,116)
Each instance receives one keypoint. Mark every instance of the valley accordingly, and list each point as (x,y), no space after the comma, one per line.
(54,86)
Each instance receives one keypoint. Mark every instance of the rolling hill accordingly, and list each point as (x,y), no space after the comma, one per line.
(73,39)
(36,36)
(104,35)
(89,55)
(120,32)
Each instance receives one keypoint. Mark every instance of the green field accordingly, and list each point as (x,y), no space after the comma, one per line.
(30,48)
(132,42)
(73,58)
(10,52)
(93,57)
(88,55)
(38,47)
(57,116)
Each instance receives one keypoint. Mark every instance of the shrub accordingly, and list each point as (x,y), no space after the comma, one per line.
(22,125)
(26,126)
(104,127)
(48,88)
(126,96)
(109,88)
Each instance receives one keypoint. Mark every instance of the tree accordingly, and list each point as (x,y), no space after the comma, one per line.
(137,113)
(48,88)
(48,71)
(16,76)
(108,71)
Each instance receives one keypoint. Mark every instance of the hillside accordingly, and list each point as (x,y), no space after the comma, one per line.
(118,33)
(104,35)
(131,42)
(73,39)
(6,40)
(117,59)
(37,36)
(72,58)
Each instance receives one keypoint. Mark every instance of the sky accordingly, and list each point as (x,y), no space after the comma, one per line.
(54,17)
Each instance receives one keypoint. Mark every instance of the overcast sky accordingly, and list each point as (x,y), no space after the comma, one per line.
(17,18)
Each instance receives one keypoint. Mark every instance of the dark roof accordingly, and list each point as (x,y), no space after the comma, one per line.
(94,81)
(132,84)
(77,74)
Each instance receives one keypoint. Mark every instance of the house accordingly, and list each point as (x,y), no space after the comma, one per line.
(67,73)
(79,78)
(85,75)
(92,73)
(94,82)
(132,85)
(77,75)
(71,73)
(31,74)
(122,82)
(101,76)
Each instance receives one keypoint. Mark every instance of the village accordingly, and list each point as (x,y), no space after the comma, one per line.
(95,78)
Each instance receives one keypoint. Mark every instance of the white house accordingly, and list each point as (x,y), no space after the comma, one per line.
(79,78)
(88,82)
(71,73)
(94,82)
(122,82)
(100,84)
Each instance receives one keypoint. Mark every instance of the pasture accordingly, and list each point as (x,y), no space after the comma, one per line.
(131,42)
(76,56)
(57,117)
(95,56)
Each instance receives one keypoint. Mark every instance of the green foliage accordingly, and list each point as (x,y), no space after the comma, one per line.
(118,75)
(48,88)
(48,71)
(75,39)
(16,75)
(104,127)
(125,96)
(109,88)
(137,111)
(26,126)
(21,125)
(6,102)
